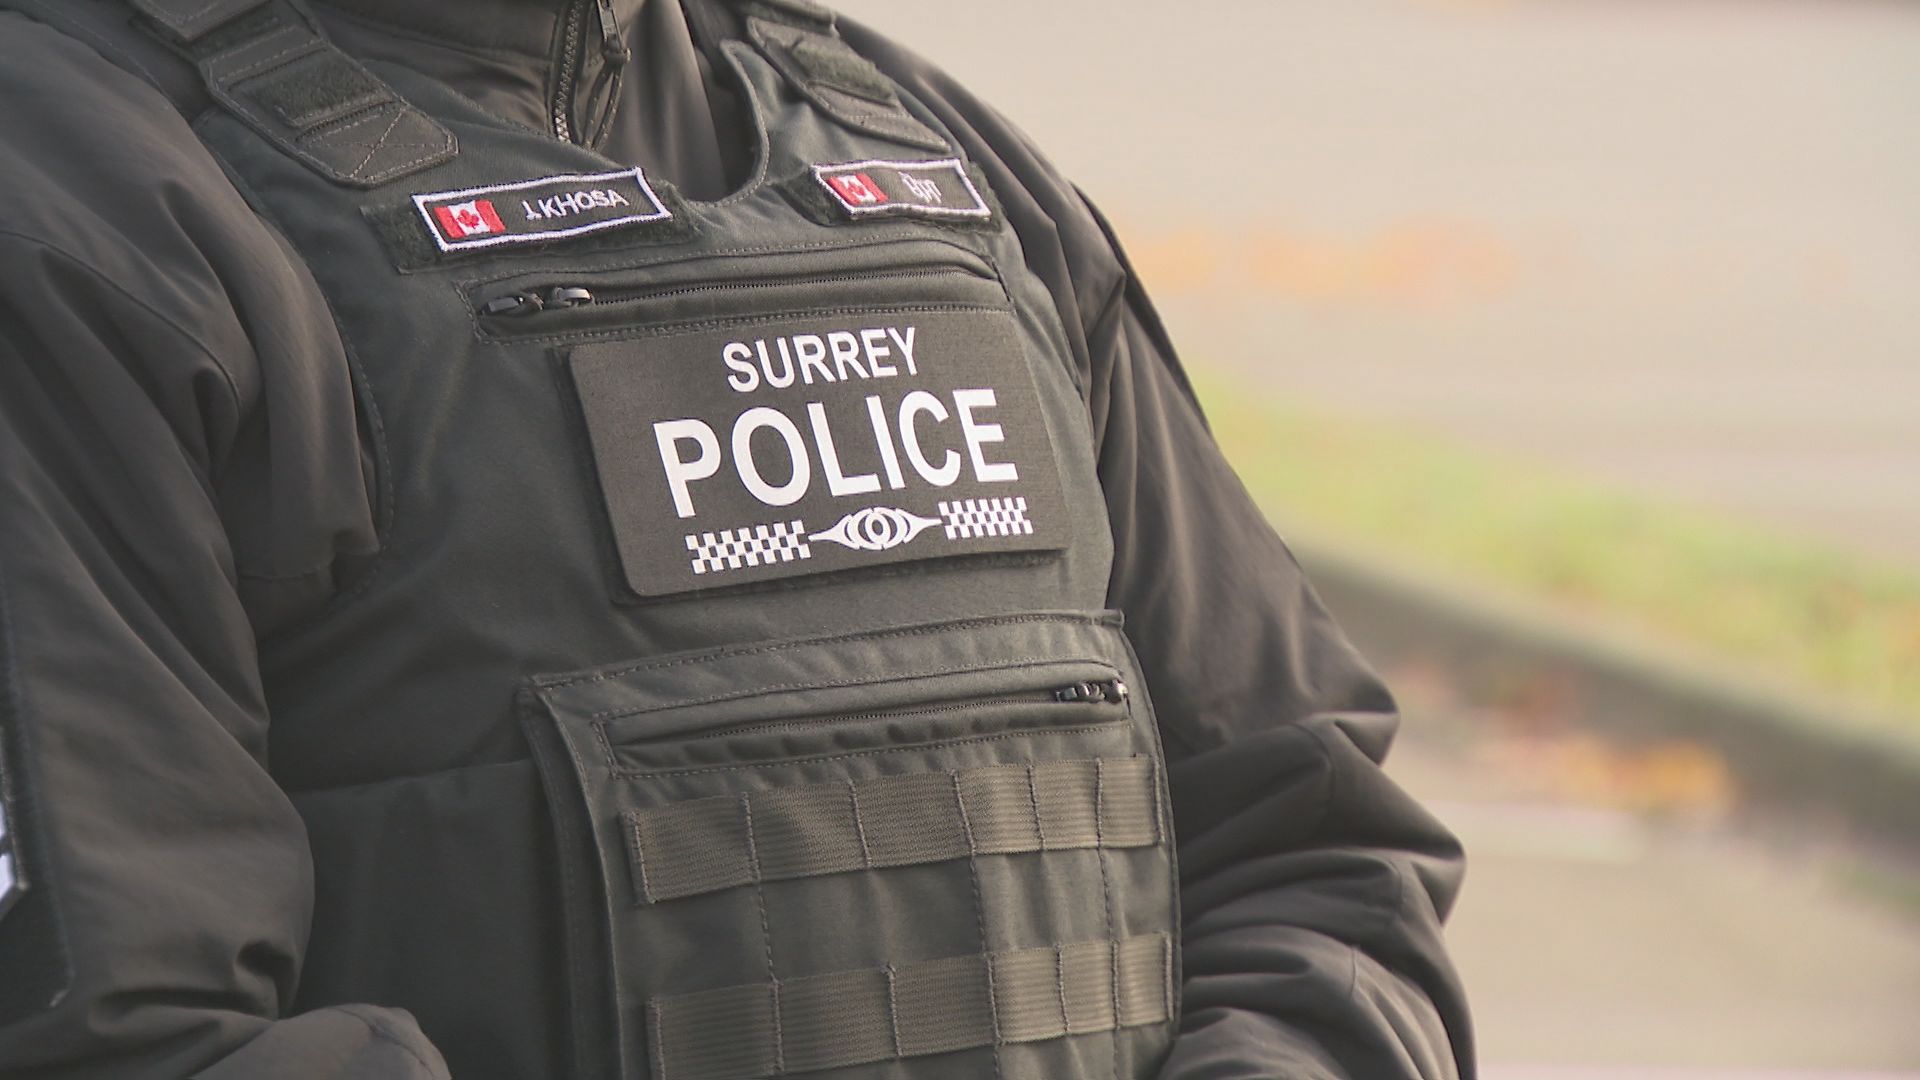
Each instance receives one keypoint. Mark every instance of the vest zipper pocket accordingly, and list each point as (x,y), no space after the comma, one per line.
(555,298)
(917,274)
(1109,692)
(1098,699)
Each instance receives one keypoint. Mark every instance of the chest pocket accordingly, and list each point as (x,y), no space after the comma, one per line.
(753,419)
(942,849)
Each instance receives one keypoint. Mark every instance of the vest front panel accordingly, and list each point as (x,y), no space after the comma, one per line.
(731,695)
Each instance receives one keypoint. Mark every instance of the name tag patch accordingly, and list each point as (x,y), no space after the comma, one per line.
(530,211)
(813,444)
(937,189)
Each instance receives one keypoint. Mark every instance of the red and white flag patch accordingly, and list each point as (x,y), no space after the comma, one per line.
(476,217)
(857,189)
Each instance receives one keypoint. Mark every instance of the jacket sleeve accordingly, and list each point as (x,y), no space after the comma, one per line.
(167,878)
(1312,887)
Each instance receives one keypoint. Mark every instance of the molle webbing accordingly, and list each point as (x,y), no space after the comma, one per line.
(705,845)
(912,1010)
(267,62)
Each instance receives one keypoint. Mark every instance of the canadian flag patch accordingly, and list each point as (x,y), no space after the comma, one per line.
(857,189)
(476,217)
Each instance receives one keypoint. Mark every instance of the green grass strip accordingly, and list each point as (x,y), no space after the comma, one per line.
(1798,613)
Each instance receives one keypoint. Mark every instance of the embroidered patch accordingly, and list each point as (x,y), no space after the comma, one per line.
(940,189)
(548,208)
(815,443)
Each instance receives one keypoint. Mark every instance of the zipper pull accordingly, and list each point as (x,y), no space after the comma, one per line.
(566,296)
(513,304)
(1114,690)
(517,305)
(612,45)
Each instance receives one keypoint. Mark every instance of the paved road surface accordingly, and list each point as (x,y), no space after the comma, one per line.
(1673,243)
(1601,943)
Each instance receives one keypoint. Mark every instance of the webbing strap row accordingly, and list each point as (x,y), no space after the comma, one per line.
(705,845)
(933,1007)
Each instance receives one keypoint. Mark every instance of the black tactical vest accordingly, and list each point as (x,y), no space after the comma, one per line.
(731,696)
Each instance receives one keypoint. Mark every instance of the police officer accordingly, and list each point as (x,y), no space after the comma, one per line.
(623,538)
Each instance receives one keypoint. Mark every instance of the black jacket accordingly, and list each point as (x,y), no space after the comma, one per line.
(183,473)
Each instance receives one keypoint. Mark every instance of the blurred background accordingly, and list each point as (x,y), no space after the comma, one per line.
(1575,345)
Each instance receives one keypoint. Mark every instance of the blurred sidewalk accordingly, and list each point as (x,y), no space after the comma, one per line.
(1607,943)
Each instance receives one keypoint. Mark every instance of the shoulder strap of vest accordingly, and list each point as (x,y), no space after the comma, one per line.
(799,38)
(268,63)
(191,20)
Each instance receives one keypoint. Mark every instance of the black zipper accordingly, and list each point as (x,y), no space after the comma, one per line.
(1092,692)
(1095,692)
(533,301)
(566,87)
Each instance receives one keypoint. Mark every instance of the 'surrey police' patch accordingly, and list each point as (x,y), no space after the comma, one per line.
(935,189)
(531,211)
(816,443)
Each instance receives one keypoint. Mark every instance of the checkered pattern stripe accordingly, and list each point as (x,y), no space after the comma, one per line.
(752,545)
(970,518)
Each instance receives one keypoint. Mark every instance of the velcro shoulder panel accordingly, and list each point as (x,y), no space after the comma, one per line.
(267,63)
(801,41)
(275,70)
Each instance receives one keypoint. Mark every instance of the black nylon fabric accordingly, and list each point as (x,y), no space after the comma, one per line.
(485,430)
(195,476)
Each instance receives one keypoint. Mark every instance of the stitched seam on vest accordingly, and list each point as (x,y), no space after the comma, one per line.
(1106,899)
(979,914)
(401,111)
(766,932)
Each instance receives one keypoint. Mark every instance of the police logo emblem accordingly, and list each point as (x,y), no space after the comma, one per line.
(877,528)
(906,436)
